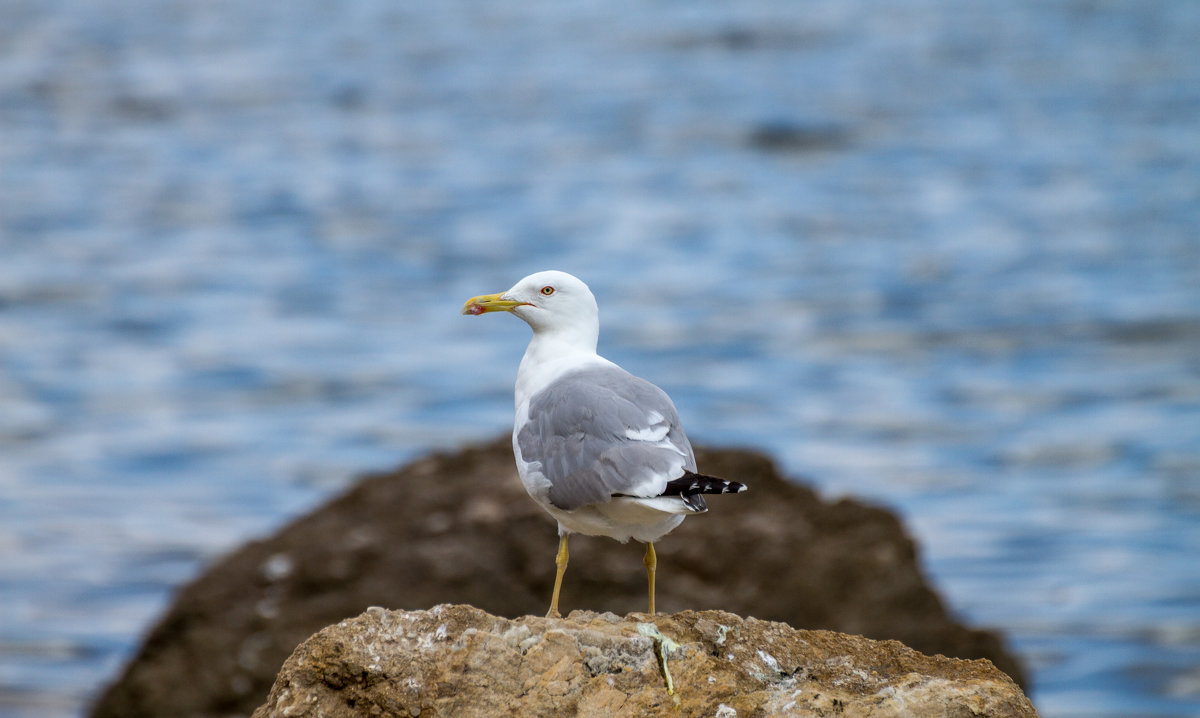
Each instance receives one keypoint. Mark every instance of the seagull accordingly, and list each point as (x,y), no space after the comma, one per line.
(601,450)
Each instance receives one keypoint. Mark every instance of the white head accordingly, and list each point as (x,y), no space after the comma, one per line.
(555,304)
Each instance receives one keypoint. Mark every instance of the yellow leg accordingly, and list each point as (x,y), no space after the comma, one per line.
(561,561)
(651,561)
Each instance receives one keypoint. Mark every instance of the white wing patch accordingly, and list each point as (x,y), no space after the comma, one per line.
(656,431)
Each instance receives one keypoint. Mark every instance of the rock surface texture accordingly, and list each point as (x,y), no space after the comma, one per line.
(457,660)
(458,528)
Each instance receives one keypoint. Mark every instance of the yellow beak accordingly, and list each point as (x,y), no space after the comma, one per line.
(490,303)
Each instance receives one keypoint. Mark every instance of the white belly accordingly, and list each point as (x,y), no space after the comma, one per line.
(621,519)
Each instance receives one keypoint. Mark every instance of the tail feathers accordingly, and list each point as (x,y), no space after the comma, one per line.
(691,487)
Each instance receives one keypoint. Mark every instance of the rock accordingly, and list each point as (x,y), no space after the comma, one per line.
(458,528)
(782,136)
(457,660)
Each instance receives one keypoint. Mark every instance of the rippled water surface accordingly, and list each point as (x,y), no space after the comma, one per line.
(942,255)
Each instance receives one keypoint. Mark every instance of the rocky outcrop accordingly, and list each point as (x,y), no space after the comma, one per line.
(460,661)
(458,528)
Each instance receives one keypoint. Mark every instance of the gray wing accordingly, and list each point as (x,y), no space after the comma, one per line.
(599,432)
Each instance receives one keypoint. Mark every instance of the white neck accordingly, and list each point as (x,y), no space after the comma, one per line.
(551,353)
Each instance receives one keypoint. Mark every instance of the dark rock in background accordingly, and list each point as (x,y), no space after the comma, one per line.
(781,136)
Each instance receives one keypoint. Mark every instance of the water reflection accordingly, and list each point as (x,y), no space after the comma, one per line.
(943,257)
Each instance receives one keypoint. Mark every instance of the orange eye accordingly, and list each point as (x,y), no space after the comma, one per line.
(547,291)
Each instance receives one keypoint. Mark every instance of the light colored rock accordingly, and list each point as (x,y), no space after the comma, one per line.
(456,660)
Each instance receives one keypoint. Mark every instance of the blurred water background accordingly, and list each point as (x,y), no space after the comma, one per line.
(941,255)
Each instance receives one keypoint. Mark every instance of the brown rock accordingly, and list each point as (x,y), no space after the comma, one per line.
(457,660)
(458,527)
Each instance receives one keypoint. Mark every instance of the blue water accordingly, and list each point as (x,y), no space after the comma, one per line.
(941,255)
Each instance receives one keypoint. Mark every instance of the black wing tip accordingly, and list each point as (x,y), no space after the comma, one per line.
(691,484)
